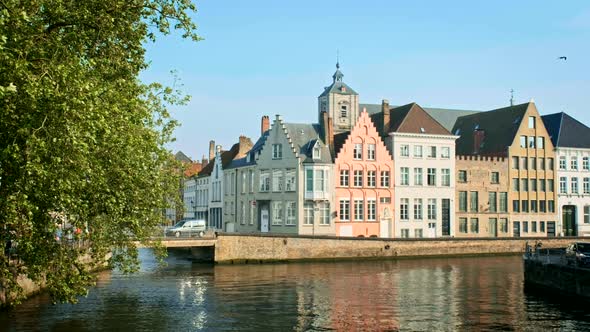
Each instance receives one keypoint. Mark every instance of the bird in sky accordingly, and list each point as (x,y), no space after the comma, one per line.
(562,58)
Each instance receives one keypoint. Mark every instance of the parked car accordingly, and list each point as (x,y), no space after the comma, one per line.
(578,253)
(188,228)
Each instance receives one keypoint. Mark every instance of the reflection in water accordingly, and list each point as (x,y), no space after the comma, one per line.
(420,294)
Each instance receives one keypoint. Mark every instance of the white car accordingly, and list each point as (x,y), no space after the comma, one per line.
(188,228)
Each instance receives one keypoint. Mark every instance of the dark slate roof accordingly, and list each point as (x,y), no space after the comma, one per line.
(339,140)
(500,127)
(303,136)
(566,131)
(180,156)
(241,162)
(444,116)
(337,87)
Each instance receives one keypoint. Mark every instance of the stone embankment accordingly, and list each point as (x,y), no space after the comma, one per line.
(241,248)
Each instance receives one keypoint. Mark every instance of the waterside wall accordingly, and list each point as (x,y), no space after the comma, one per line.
(234,248)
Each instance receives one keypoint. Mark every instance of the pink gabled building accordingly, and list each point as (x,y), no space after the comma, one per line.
(363,172)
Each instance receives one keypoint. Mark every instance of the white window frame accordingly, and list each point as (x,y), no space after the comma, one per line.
(291,207)
(418,209)
(404,209)
(384,179)
(290,180)
(445,177)
(344,209)
(404,150)
(418,153)
(432,209)
(357,153)
(264,181)
(404,176)
(371,209)
(277,212)
(371,151)
(418,176)
(359,207)
(372,178)
(277,151)
(357,178)
(344,178)
(277,180)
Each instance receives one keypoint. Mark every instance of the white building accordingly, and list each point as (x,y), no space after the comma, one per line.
(189,197)
(423,152)
(572,154)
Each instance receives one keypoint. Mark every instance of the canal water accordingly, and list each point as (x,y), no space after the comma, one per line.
(454,294)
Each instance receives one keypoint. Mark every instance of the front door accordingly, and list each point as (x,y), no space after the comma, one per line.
(446,217)
(264,219)
(493,227)
(385,228)
(516,229)
(551,229)
(569,220)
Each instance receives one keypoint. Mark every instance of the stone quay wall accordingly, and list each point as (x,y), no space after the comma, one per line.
(241,248)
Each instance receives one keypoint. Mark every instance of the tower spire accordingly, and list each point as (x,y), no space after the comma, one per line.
(338,74)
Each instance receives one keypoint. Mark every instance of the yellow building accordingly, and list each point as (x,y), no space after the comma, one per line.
(518,134)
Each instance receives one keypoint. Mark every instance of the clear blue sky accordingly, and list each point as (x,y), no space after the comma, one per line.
(275,57)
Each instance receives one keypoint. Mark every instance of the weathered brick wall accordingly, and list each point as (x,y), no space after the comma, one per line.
(261,248)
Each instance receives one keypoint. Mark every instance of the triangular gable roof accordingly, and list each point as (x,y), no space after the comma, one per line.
(412,118)
(180,156)
(445,116)
(566,131)
(500,127)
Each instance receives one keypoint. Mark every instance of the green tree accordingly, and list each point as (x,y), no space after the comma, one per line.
(82,139)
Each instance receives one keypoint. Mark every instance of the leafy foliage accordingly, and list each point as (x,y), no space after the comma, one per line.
(82,139)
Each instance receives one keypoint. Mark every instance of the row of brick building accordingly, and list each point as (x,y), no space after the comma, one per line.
(379,170)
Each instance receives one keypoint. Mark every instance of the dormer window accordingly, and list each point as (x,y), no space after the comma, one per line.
(316,152)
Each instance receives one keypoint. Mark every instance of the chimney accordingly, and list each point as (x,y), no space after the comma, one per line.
(386,116)
(478,137)
(245,144)
(204,161)
(211,150)
(324,126)
(330,142)
(264,124)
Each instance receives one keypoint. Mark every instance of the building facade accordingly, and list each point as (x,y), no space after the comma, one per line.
(481,201)
(571,140)
(364,179)
(518,134)
(424,155)
(283,184)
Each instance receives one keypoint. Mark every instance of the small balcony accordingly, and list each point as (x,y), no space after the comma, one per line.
(317,195)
